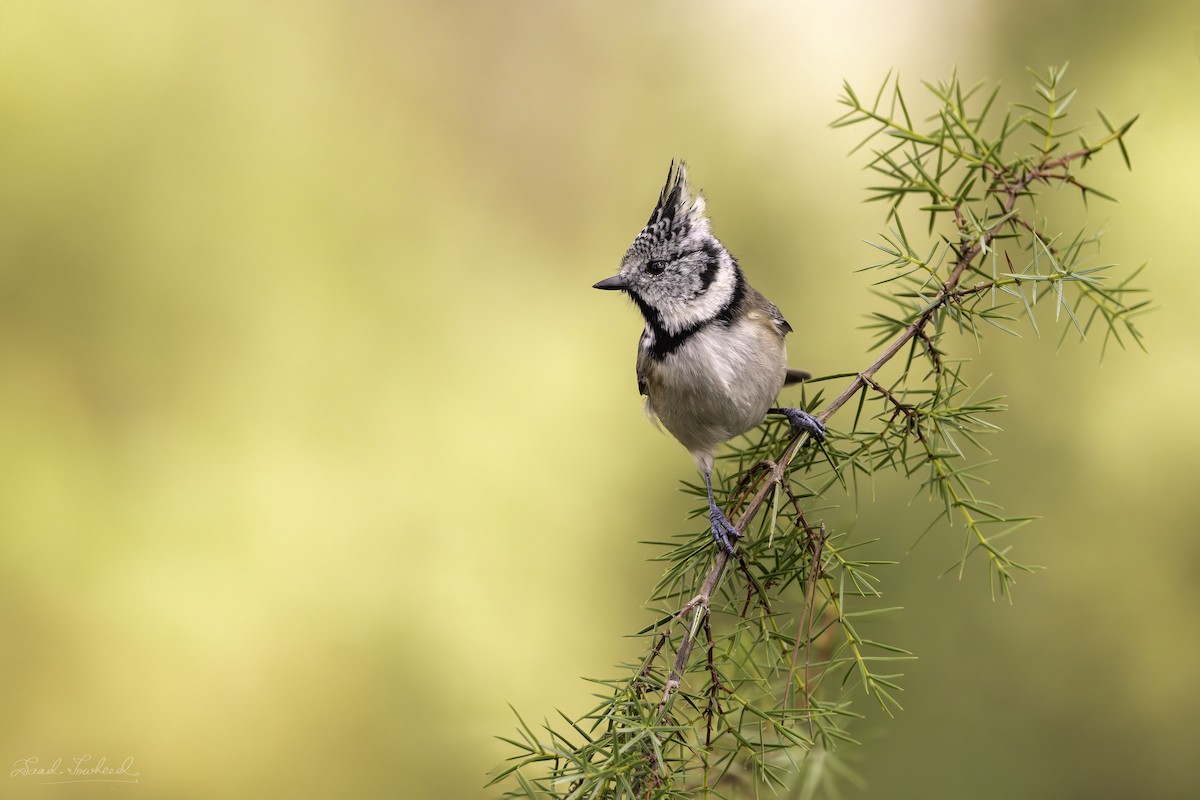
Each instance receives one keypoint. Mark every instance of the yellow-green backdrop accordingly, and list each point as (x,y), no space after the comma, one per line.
(317,449)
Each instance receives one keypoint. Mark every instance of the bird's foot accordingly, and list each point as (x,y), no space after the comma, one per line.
(722,529)
(802,421)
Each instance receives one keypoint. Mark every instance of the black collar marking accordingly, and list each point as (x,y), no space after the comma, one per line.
(666,343)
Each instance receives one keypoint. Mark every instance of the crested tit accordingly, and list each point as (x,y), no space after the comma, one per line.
(711,360)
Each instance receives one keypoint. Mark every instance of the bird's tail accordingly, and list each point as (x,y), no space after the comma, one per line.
(794,376)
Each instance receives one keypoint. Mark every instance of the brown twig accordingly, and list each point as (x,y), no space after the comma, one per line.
(911,415)
(714,688)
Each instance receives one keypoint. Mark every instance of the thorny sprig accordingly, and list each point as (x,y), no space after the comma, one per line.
(782,637)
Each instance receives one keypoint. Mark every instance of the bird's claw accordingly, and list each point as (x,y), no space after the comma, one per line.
(804,422)
(722,529)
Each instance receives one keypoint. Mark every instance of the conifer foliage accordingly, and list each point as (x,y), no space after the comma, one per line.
(752,662)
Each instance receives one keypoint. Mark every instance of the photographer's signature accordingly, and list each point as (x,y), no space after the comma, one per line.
(77,769)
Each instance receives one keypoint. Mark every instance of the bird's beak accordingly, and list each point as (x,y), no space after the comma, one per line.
(615,282)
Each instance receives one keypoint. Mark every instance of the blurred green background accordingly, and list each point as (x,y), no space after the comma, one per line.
(317,449)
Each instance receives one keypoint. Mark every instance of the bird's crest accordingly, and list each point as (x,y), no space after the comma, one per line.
(678,207)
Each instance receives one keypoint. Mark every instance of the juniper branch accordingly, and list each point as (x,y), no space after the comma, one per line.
(651,728)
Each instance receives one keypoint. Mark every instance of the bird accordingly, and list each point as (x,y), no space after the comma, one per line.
(711,360)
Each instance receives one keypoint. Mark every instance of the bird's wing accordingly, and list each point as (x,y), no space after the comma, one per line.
(755,305)
(643,363)
(777,317)
(781,326)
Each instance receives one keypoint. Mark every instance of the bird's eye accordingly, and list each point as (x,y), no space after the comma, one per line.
(655,267)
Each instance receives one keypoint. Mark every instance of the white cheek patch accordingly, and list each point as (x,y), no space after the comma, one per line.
(684,313)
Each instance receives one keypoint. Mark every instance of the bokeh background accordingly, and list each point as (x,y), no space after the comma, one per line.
(317,450)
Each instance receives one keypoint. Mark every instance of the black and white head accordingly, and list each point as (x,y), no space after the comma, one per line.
(676,270)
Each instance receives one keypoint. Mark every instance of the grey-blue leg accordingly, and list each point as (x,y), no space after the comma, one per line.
(802,421)
(722,529)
